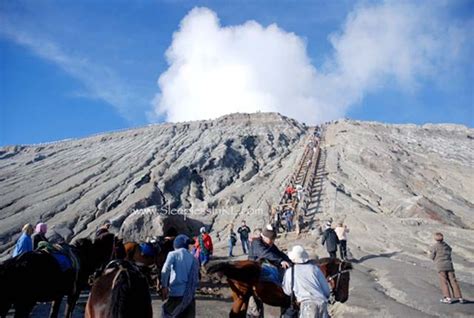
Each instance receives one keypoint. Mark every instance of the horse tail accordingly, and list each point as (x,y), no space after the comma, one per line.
(244,271)
(130,294)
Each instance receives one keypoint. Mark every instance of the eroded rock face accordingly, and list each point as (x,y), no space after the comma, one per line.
(404,170)
(235,163)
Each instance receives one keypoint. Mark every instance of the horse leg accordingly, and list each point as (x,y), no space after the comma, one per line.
(236,310)
(5,305)
(55,307)
(23,310)
(71,302)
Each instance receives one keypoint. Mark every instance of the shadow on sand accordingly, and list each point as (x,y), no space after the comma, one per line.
(371,256)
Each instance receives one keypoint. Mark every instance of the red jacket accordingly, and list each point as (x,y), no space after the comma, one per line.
(207,240)
(290,190)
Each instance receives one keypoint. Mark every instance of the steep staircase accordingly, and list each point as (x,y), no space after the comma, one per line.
(309,174)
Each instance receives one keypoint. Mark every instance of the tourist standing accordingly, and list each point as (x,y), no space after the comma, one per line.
(289,192)
(204,246)
(232,239)
(289,219)
(330,239)
(244,232)
(179,279)
(299,192)
(310,287)
(341,231)
(277,220)
(440,253)
(24,243)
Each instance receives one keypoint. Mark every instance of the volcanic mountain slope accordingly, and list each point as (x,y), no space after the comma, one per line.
(232,166)
(394,186)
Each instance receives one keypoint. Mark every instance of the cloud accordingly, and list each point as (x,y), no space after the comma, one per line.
(215,70)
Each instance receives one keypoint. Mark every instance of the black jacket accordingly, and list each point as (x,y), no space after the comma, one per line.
(38,237)
(244,232)
(331,240)
(260,250)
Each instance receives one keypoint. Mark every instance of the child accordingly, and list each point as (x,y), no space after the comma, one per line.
(441,254)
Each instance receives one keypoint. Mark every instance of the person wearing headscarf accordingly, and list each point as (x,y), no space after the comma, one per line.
(179,279)
(40,234)
(24,243)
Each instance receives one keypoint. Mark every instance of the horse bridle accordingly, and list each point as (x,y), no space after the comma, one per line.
(336,277)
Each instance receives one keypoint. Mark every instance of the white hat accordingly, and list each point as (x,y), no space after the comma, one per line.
(202,230)
(298,254)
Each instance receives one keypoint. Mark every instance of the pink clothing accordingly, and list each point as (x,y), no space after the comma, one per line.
(342,233)
(41,228)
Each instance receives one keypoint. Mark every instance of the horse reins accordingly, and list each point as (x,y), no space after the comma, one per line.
(338,274)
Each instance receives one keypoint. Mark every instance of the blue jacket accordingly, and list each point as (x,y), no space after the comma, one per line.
(175,272)
(23,245)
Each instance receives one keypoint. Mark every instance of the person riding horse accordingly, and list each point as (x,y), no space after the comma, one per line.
(274,263)
(263,248)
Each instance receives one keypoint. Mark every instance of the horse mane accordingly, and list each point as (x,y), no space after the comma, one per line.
(240,270)
(327,260)
(130,296)
(82,244)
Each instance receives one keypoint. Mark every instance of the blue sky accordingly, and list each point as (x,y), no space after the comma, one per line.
(74,68)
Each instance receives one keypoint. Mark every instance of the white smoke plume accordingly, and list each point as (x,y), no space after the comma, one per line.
(215,70)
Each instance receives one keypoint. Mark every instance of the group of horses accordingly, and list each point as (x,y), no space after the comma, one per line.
(120,284)
(114,268)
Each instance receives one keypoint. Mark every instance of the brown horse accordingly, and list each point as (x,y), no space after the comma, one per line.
(150,264)
(243,279)
(120,292)
(37,276)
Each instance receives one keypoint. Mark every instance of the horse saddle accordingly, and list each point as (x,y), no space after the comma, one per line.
(147,249)
(120,264)
(270,273)
(62,254)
